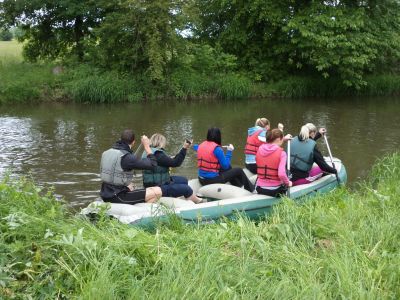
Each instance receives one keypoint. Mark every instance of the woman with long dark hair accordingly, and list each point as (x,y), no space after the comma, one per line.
(215,166)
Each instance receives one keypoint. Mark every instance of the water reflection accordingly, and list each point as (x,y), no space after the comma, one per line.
(60,145)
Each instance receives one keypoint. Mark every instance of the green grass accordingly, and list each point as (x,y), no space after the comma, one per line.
(23,81)
(10,51)
(338,246)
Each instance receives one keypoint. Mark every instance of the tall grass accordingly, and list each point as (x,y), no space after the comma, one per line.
(341,245)
(191,84)
(86,84)
(300,87)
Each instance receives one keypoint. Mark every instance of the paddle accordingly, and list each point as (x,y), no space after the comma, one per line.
(330,155)
(288,166)
(138,148)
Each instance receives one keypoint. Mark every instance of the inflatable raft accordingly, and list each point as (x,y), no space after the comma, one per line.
(224,200)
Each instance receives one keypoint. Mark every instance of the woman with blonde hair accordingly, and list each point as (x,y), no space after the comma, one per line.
(304,154)
(171,186)
(255,138)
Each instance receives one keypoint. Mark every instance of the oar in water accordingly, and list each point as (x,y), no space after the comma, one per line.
(288,166)
(330,155)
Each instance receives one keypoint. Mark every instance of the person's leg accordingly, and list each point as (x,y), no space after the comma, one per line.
(179,179)
(315,173)
(153,194)
(131,197)
(252,168)
(206,181)
(238,178)
(178,190)
(278,192)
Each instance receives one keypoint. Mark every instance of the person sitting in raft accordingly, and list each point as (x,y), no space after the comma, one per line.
(271,165)
(215,167)
(304,153)
(116,171)
(255,138)
(171,186)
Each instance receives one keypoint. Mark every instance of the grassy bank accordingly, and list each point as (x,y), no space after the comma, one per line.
(29,82)
(342,245)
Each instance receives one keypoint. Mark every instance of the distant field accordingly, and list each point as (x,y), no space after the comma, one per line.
(10,50)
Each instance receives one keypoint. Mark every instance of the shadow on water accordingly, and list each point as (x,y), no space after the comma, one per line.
(60,144)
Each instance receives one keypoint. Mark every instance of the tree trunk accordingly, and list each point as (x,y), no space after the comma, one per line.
(78,37)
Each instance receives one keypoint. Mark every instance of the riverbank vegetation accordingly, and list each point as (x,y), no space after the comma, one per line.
(195,49)
(341,245)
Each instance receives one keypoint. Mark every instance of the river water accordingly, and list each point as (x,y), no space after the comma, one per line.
(60,145)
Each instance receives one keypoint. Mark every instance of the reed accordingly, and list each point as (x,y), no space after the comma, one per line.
(88,84)
(192,84)
(341,245)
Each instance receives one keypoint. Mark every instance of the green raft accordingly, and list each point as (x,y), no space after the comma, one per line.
(224,201)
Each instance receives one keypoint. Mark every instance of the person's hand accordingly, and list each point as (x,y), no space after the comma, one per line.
(230,147)
(290,184)
(322,130)
(287,137)
(131,187)
(145,141)
(187,144)
(280,126)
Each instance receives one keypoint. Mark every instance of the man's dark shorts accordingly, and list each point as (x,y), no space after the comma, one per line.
(134,197)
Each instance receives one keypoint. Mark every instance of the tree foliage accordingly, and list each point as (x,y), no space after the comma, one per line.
(273,39)
(139,37)
(265,39)
(52,28)
(6,35)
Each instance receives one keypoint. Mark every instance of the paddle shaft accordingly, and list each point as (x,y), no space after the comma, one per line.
(331,157)
(138,148)
(288,166)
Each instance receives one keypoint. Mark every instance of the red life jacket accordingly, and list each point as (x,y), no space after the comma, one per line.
(267,166)
(206,160)
(253,143)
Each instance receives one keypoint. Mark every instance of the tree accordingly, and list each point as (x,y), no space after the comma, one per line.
(139,37)
(52,29)
(274,39)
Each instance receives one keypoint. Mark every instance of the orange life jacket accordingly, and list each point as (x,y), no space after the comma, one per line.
(206,160)
(267,166)
(253,143)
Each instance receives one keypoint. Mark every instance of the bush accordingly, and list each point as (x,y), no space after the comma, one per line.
(25,82)
(6,35)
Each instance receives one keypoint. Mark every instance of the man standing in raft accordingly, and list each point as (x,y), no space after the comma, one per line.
(116,171)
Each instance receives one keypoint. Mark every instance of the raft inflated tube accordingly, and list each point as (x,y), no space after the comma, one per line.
(223,191)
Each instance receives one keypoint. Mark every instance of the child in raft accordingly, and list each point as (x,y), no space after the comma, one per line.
(271,165)
(255,138)
(215,166)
